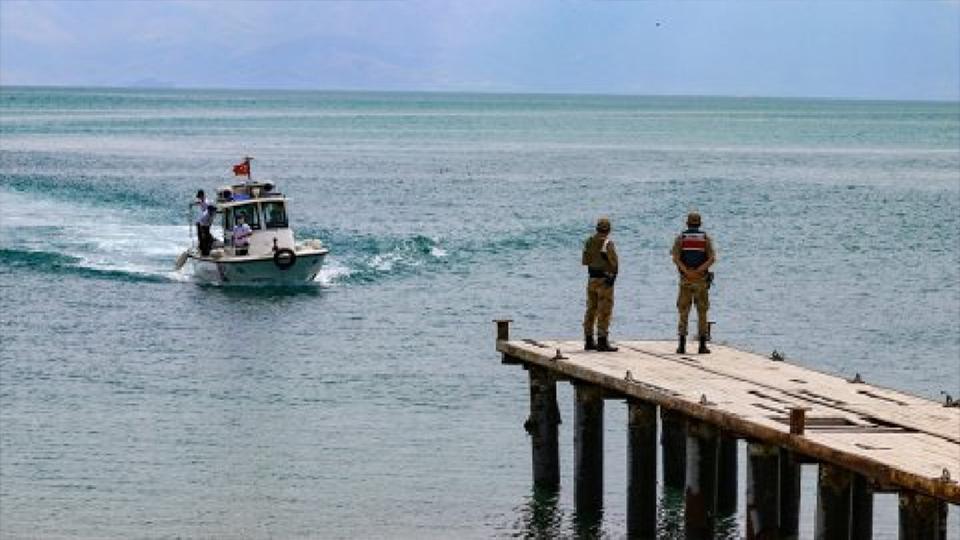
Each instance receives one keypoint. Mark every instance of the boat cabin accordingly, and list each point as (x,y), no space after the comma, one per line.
(263,209)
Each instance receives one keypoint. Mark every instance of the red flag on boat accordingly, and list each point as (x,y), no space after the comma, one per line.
(242,169)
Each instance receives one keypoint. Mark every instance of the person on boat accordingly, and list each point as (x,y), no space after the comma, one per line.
(203,225)
(600,258)
(693,254)
(207,213)
(241,235)
(201,203)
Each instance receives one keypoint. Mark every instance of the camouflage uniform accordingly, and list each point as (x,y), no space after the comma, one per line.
(600,258)
(693,248)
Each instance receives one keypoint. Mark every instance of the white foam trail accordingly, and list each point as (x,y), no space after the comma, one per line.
(331,271)
(385,262)
(101,238)
(404,254)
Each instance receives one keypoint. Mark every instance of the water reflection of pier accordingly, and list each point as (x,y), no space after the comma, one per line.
(864,439)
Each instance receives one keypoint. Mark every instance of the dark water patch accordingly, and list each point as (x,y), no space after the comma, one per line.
(264,291)
(553,235)
(541,515)
(96,191)
(36,260)
(15,260)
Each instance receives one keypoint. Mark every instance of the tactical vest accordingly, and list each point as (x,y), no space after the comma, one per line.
(596,252)
(693,248)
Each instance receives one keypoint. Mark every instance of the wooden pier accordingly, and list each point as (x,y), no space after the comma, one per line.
(865,439)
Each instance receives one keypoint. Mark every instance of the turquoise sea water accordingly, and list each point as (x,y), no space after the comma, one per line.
(135,403)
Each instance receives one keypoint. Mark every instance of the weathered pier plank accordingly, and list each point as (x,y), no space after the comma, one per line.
(893,407)
(894,440)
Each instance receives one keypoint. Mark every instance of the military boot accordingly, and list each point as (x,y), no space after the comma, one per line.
(604,346)
(682,345)
(703,346)
(588,343)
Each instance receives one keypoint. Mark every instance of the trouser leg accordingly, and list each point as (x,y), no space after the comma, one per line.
(684,298)
(590,317)
(702,299)
(604,308)
(206,240)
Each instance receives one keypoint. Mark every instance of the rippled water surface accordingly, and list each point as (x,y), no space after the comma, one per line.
(134,402)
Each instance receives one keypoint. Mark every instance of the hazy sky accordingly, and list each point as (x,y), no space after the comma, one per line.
(869,49)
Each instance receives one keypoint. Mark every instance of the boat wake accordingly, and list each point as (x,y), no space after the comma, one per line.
(78,238)
(60,237)
(363,259)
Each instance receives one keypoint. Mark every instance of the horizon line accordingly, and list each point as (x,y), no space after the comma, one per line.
(955,100)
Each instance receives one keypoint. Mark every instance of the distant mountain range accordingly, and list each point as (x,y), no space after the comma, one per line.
(149,82)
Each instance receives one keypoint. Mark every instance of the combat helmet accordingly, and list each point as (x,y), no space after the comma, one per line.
(603,224)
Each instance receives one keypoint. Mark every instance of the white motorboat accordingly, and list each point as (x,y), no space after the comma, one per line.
(272,257)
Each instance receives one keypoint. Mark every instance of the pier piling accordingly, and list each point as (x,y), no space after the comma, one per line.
(588,449)
(922,517)
(727,489)
(763,491)
(703,450)
(834,497)
(789,495)
(861,508)
(641,470)
(542,425)
(673,440)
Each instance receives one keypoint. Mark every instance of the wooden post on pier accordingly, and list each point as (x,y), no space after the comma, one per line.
(861,508)
(727,476)
(641,469)
(542,427)
(673,439)
(503,329)
(763,491)
(789,495)
(922,517)
(588,450)
(834,497)
(703,450)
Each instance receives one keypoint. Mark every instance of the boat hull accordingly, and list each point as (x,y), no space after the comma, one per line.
(257,270)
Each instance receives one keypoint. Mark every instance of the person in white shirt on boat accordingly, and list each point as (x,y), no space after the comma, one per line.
(241,235)
(204,220)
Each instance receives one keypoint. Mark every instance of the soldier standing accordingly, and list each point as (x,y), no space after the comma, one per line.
(693,254)
(600,258)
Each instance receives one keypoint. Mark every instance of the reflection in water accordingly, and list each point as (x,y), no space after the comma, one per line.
(671,514)
(541,516)
(727,527)
(265,291)
(671,524)
(588,524)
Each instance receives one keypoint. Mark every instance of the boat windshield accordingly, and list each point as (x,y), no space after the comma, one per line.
(275,215)
(249,213)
